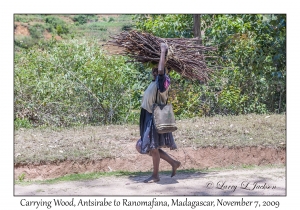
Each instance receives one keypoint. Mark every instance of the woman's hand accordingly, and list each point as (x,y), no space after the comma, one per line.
(163,47)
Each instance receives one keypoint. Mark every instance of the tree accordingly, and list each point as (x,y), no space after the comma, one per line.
(197,27)
(252,48)
(252,51)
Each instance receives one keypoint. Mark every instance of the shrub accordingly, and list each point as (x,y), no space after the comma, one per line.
(36,31)
(56,23)
(252,60)
(82,19)
(25,41)
(74,82)
(127,27)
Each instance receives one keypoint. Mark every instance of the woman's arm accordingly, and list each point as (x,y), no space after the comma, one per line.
(162,60)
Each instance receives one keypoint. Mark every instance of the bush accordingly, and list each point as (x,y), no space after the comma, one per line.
(75,82)
(253,50)
(57,24)
(36,31)
(251,56)
(25,41)
(82,19)
(127,27)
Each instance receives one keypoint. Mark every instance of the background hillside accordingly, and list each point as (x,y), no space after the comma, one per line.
(30,29)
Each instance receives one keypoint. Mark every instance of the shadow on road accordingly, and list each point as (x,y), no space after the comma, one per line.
(166,179)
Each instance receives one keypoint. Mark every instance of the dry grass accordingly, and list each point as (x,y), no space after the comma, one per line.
(242,130)
(92,143)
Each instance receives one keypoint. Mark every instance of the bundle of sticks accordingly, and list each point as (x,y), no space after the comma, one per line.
(184,55)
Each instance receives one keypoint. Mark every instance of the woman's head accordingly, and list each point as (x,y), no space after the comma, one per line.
(155,72)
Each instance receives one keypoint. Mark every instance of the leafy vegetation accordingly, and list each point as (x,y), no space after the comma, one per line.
(36,31)
(253,50)
(75,82)
(28,18)
(252,55)
(82,19)
(167,26)
(57,25)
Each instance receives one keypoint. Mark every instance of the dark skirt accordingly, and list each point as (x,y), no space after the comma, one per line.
(150,139)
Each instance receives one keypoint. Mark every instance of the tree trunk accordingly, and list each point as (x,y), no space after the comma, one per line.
(197,27)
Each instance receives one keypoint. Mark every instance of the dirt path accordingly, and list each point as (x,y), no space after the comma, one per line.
(258,181)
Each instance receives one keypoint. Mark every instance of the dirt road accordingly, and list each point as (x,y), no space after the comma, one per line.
(258,181)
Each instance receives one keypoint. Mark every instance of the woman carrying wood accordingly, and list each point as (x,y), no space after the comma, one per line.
(151,142)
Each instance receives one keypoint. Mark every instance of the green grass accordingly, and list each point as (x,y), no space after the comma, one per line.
(96,175)
(95,26)
(22,123)
(104,27)
(86,176)
(23,18)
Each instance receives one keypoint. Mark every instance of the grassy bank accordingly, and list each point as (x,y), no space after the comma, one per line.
(98,142)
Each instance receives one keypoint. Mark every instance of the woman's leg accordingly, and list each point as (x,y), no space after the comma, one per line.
(155,159)
(175,164)
(156,155)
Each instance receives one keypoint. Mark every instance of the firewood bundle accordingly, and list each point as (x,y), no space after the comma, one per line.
(184,55)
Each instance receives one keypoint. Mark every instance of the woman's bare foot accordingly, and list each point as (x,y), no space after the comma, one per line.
(174,168)
(151,179)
